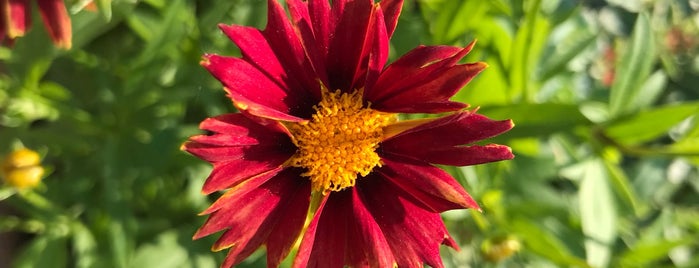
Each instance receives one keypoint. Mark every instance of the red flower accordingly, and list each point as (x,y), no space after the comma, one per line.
(317,152)
(15,20)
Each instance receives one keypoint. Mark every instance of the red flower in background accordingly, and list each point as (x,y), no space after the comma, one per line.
(15,20)
(317,152)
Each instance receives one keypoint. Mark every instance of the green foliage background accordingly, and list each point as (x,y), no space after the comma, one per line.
(603,94)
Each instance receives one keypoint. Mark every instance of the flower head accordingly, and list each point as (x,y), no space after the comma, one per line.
(317,153)
(15,20)
(22,169)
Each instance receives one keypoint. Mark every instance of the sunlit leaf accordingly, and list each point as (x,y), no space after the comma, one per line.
(624,189)
(572,46)
(44,251)
(526,49)
(84,246)
(543,243)
(647,253)
(537,119)
(651,124)
(597,213)
(165,253)
(633,69)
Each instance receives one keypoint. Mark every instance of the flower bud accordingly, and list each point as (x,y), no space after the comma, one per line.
(500,248)
(21,169)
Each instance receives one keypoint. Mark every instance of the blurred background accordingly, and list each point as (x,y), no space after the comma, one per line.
(604,95)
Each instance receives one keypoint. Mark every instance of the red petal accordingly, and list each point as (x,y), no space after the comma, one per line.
(435,92)
(442,136)
(57,21)
(421,60)
(311,38)
(367,242)
(431,185)
(376,47)
(464,156)
(289,50)
(233,124)
(329,238)
(323,24)
(307,242)
(231,195)
(250,216)
(229,173)
(16,17)
(234,136)
(391,11)
(430,69)
(413,232)
(237,130)
(283,237)
(257,51)
(240,148)
(343,232)
(347,43)
(251,89)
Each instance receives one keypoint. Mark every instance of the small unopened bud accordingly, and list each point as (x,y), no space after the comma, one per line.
(500,248)
(22,169)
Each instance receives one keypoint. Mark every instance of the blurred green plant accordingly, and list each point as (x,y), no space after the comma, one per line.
(602,94)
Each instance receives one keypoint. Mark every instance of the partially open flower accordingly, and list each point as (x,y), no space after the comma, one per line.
(15,20)
(318,153)
(22,169)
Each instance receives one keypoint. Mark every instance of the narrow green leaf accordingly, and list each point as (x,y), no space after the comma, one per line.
(633,69)
(543,243)
(526,49)
(597,213)
(467,16)
(84,246)
(44,251)
(645,254)
(537,119)
(624,189)
(572,46)
(648,125)
(6,192)
(651,90)
(118,243)
(105,8)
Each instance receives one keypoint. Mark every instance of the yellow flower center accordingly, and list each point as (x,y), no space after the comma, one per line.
(339,142)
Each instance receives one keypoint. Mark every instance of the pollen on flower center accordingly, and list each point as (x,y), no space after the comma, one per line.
(339,142)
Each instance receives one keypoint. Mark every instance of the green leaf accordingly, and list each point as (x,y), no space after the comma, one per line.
(645,254)
(43,251)
(570,47)
(624,189)
(651,90)
(165,253)
(526,49)
(648,125)
(6,192)
(537,119)
(118,243)
(456,17)
(597,214)
(84,246)
(633,69)
(543,243)
(105,8)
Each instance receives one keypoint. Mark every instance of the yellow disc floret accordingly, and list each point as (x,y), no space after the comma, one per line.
(339,142)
